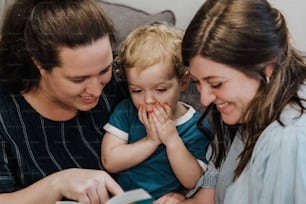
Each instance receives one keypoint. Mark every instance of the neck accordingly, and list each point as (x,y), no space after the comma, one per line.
(179,111)
(48,107)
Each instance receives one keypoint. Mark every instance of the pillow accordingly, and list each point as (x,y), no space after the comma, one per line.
(126,19)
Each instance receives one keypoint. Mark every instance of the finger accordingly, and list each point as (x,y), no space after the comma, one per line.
(152,124)
(160,200)
(112,186)
(142,113)
(84,199)
(160,114)
(168,110)
(93,195)
(102,193)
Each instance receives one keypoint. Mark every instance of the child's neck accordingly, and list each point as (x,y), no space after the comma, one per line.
(179,111)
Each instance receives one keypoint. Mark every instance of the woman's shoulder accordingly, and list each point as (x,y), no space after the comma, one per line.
(9,100)
(281,136)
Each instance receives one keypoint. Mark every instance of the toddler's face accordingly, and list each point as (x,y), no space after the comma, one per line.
(155,84)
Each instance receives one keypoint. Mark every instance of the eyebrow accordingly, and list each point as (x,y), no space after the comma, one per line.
(82,76)
(205,78)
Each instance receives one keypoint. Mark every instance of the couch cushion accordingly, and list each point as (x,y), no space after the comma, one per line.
(127,18)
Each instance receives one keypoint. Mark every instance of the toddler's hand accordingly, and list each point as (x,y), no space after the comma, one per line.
(146,119)
(163,124)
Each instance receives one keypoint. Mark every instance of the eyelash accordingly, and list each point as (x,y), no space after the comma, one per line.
(77,81)
(213,85)
(216,86)
(105,70)
(135,91)
(139,91)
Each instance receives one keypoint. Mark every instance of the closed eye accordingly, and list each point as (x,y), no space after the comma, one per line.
(79,80)
(104,71)
(161,90)
(136,91)
(216,85)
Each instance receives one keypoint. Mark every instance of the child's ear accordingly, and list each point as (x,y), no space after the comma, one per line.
(185,81)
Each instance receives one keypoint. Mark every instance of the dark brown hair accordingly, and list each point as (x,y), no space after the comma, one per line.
(38,29)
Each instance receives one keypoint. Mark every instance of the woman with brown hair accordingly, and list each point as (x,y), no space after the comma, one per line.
(57,90)
(247,72)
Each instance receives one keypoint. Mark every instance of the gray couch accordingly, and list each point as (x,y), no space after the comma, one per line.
(126,18)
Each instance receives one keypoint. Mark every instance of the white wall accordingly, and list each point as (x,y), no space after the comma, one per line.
(295,14)
(294,11)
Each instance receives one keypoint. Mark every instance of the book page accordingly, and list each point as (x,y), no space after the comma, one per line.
(137,196)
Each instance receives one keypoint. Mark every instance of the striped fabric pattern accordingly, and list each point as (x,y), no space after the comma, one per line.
(32,147)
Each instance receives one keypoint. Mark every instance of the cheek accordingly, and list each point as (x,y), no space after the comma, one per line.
(65,88)
(248,92)
(172,98)
(73,90)
(106,77)
(135,99)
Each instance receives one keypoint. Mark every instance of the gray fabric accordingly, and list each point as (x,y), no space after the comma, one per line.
(127,18)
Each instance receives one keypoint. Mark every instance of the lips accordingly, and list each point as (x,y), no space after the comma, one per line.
(89,99)
(221,106)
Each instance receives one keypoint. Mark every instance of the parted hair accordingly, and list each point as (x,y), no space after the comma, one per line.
(35,29)
(151,44)
(247,35)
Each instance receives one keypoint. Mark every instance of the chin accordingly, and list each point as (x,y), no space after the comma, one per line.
(230,121)
(86,108)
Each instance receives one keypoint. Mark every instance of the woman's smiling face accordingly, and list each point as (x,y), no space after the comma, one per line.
(78,83)
(229,89)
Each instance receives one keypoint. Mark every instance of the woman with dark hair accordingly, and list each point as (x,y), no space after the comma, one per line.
(247,72)
(57,91)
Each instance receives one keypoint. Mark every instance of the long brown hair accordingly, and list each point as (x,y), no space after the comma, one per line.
(247,35)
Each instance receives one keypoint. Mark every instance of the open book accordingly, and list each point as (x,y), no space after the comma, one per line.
(137,196)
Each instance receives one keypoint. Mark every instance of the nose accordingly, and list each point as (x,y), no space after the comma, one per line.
(94,86)
(149,98)
(207,96)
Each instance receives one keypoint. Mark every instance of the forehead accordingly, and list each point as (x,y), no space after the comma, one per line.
(96,55)
(163,70)
(201,67)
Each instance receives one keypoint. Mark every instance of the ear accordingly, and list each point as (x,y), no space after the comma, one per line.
(269,69)
(185,81)
(38,65)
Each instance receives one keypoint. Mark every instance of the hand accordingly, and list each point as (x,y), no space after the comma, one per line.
(203,195)
(170,198)
(146,120)
(86,186)
(163,124)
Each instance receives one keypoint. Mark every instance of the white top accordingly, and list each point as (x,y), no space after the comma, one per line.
(276,173)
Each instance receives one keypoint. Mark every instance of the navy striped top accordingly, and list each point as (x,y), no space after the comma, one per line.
(32,147)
